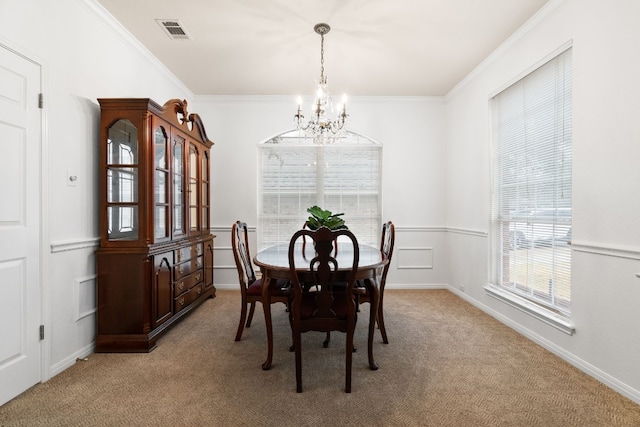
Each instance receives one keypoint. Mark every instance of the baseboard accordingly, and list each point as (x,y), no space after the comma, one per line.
(69,361)
(234,286)
(568,357)
(407,286)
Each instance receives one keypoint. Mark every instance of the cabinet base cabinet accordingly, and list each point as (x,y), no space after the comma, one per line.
(142,293)
(144,343)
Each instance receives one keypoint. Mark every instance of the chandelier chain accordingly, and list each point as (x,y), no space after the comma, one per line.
(322,79)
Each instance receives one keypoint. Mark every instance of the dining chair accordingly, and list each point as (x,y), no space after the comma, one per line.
(250,286)
(320,308)
(306,286)
(387,241)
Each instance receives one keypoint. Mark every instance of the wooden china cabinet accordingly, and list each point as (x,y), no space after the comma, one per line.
(155,261)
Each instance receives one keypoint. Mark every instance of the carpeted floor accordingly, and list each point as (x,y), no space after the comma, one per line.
(447,364)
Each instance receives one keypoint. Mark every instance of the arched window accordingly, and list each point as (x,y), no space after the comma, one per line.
(343,176)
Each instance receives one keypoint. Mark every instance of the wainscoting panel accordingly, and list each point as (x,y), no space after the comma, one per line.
(85,297)
(413,258)
(70,327)
(224,258)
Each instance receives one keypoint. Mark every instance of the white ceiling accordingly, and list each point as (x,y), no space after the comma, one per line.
(375,47)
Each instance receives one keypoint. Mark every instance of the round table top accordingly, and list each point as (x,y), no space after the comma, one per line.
(277,257)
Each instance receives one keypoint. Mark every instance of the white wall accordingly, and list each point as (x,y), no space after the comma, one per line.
(83,59)
(606,183)
(411,130)
(413,126)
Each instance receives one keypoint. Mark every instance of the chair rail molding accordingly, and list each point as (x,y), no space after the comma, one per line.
(227,229)
(618,252)
(419,229)
(458,230)
(74,244)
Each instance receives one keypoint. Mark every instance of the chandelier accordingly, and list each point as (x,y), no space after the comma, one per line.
(320,125)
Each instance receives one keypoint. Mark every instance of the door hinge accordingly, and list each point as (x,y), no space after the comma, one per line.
(41,332)
(40,100)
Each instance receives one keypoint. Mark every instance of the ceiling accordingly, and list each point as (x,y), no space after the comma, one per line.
(375,47)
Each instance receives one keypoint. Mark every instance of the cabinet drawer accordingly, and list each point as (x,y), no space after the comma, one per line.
(188,297)
(185,283)
(188,252)
(188,267)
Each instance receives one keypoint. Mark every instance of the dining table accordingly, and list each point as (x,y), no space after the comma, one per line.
(274,264)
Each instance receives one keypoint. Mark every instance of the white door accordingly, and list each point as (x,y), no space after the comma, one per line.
(20,292)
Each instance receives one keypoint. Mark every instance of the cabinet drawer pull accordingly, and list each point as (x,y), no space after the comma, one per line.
(199,291)
(180,286)
(179,269)
(198,276)
(179,256)
(181,302)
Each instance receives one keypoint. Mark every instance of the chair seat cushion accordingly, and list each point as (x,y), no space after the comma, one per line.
(278,288)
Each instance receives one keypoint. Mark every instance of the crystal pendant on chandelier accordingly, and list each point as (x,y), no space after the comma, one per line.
(320,126)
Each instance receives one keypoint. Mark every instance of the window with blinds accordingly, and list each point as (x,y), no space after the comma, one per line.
(531,148)
(343,176)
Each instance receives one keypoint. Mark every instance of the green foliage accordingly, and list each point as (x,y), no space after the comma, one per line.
(321,218)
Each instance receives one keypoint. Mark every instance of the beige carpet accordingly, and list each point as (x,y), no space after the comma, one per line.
(447,364)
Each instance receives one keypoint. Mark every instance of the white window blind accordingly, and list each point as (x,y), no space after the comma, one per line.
(532,185)
(295,174)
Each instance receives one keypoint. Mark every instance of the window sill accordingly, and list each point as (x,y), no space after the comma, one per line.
(540,313)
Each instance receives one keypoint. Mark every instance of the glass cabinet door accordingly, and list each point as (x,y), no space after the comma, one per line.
(204,168)
(122,181)
(194,192)
(161,183)
(179,226)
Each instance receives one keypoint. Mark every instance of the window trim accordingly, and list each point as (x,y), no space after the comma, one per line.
(549,316)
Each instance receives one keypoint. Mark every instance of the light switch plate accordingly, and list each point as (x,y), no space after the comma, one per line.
(72,179)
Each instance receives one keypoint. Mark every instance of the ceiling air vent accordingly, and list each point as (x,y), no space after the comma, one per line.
(174,29)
